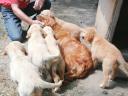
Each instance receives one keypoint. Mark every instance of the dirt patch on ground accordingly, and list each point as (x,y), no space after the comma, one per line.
(82,13)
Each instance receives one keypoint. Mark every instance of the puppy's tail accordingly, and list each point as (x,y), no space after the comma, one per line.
(43,84)
(123,64)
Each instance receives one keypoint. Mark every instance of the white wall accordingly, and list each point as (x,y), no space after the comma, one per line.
(105,17)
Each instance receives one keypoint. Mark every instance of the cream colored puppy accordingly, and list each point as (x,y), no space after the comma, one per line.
(24,72)
(37,48)
(105,52)
(58,65)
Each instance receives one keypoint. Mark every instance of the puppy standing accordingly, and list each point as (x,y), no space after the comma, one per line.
(58,65)
(104,52)
(24,72)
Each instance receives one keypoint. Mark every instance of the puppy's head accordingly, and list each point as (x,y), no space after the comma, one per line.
(88,34)
(34,29)
(14,45)
(47,18)
(48,30)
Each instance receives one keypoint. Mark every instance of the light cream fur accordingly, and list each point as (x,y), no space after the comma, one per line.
(105,52)
(24,72)
(37,48)
(58,65)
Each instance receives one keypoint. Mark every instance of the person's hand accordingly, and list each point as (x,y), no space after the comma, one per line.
(37,22)
(38,4)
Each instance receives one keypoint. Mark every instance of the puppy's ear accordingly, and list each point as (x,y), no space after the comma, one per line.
(44,34)
(41,18)
(51,21)
(21,46)
(91,32)
(89,37)
(3,53)
(24,50)
(28,35)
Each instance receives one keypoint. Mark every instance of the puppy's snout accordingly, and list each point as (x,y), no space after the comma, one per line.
(82,37)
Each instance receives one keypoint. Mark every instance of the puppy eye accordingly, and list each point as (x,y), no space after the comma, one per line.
(82,37)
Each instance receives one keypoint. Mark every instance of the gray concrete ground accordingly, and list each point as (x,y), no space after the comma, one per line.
(82,13)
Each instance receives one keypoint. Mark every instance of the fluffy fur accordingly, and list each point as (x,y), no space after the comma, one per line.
(24,72)
(77,57)
(58,67)
(105,52)
(72,29)
(37,48)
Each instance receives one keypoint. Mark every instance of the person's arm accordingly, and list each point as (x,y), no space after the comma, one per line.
(38,4)
(20,14)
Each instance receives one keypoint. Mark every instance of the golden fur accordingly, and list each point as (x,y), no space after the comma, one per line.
(77,57)
(105,52)
(72,29)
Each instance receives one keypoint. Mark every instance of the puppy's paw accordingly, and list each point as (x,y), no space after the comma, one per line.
(102,85)
(59,83)
(55,90)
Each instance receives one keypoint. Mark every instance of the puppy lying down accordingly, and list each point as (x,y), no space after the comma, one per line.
(24,72)
(105,52)
(77,58)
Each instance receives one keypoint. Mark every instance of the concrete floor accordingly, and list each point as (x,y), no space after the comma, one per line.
(82,13)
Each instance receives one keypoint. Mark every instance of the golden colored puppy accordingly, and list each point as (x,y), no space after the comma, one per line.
(77,57)
(24,72)
(71,28)
(105,52)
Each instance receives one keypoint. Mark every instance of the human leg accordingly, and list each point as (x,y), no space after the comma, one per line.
(12,24)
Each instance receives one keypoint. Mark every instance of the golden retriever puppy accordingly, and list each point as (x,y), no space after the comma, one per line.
(77,57)
(24,72)
(72,29)
(58,66)
(37,48)
(105,52)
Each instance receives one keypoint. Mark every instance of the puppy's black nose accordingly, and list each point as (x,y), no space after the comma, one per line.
(82,37)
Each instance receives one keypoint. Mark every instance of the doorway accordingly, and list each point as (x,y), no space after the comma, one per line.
(120,38)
